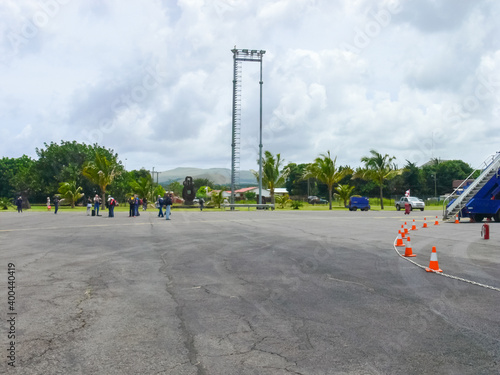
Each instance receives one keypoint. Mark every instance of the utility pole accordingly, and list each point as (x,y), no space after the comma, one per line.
(153,177)
(153,180)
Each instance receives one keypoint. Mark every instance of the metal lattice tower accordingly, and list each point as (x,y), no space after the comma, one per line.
(240,55)
(236,130)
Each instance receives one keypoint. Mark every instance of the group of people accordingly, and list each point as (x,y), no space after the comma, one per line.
(57,200)
(164,202)
(134,203)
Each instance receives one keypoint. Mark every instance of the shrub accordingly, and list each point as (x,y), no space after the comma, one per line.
(5,203)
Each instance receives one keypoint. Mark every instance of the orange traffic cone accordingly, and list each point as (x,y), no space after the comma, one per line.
(399,241)
(406,228)
(402,231)
(457,221)
(414,226)
(433,265)
(408,251)
(425,223)
(436,222)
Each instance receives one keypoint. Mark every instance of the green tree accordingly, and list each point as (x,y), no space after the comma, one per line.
(176,187)
(102,170)
(10,168)
(411,177)
(21,178)
(203,191)
(272,174)
(70,192)
(439,175)
(159,190)
(378,168)
(142,187)
(120,188)
(324,170)
(250,195)
(199,182)
(295,184)
(344,192)
(283,200)
(217,198)
(62,162)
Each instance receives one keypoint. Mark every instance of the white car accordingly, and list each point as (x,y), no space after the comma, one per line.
(415,203)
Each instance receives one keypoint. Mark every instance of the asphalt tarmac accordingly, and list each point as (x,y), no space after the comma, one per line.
(246,292)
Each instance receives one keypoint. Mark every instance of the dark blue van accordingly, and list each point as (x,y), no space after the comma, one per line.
(358,202)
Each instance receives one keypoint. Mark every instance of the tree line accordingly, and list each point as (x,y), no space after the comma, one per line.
(72,170)
(77,171)
(377,176)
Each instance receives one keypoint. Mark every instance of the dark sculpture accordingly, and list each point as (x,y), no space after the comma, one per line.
(188,192)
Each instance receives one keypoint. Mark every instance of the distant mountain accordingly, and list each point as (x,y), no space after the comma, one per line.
(220,176)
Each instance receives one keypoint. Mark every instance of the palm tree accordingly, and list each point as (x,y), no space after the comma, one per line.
(272,176)
(324,170)
(283,200)
(217,198)
(378,168)
(101,171)
(142,187)
(344,192)
(70,192)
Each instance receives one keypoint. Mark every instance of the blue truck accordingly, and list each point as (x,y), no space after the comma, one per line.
(358,202)
(481,198)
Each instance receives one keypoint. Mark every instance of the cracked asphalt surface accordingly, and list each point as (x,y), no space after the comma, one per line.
(247,292)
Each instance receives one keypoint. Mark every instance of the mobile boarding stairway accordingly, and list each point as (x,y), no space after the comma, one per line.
(482,190)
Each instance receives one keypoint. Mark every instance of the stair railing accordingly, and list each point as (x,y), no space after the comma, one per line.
(484,165)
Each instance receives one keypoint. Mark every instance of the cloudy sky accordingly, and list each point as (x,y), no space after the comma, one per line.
(153,79)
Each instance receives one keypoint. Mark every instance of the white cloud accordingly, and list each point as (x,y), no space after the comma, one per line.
(153,80)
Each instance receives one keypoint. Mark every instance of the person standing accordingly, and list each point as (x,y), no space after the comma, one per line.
(19,204)
(144,204)
(48,204)
(97,203)
(112,204)
(89,206)
(168,204)
(131,210)
(159,203)
(56,204)
(136,206)
(202,203)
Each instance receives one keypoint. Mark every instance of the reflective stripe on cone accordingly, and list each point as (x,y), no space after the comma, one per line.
(433,265)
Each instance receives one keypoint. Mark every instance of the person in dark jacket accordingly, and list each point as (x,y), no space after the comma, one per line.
(131,211)
(19,204)
(56,204)
(136,205)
